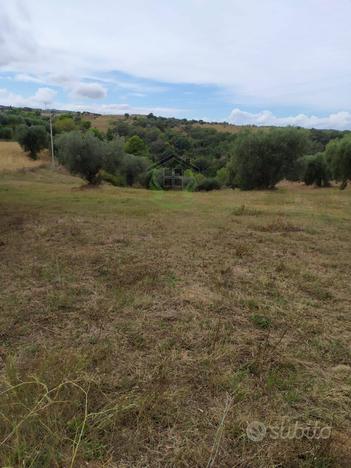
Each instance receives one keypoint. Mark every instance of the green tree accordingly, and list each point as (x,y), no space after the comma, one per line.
(136,145)
(208,185)
(109,134)
(114,155)
(32,139)
(316,170)
(85,124)
(122,128)
(96,132)
(83,155)
(133,168)
(6,133)
(64,123)
(262,158)
(222,176)
(181,143)
(338,154)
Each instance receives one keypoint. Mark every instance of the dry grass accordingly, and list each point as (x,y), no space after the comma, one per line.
(13,158)
(104,122)
(230,128)
(142,328)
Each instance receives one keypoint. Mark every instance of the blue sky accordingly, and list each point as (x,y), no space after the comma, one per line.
(179,100)
(258,62)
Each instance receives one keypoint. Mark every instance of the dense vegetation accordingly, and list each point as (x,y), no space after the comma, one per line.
(252,158)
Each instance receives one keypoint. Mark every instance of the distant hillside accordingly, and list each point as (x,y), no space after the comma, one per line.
(137,142)
(104,122)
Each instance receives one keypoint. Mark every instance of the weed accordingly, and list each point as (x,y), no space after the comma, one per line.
(261,321)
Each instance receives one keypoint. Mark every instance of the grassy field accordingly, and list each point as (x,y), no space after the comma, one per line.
(13,158)
(142,328)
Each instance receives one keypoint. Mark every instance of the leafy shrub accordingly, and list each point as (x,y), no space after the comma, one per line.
(260,321)
(64,123)
(208,185)
(153,179)
(136,146)
(115,179)
(97,133)
(222,176)
(133,168)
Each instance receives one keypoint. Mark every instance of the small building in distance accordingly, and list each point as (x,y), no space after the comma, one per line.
(170,172)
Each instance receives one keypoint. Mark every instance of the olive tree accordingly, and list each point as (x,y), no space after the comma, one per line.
(338,153)
(82,154)
(316,170)
(32,139)
(261,158)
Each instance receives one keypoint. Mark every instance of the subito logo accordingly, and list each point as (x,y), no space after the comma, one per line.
(256,431)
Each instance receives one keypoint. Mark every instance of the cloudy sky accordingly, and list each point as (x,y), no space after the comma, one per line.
(259,61)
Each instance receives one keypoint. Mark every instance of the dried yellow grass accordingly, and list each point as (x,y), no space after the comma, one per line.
(13,158)
(104,122)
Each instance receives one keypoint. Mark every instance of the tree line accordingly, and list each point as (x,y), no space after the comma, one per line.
(252,158)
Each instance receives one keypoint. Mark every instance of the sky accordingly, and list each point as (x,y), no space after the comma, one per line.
(259,62)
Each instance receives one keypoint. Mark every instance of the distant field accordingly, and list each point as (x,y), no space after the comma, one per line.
(13,158)
(104,122)
(147,329)
(223,128)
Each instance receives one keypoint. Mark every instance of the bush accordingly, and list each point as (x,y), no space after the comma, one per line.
(222,176)
(97,133)
(32,139)
(64,123)
(153,180)
(85,124)
(133,168)
(136,146)
(115,179)
(208,185)
(316,170)
(262,158)
(338,154)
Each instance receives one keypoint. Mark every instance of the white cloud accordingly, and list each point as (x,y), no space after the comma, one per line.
(24,77)
(122,109)
(76,88)
(46,97)
(89,90)
(17,43)
(42,97)
(262,52)
(338,120)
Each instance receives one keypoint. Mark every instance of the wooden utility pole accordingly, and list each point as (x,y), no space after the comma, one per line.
(52,145)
